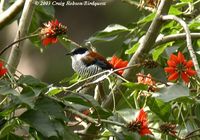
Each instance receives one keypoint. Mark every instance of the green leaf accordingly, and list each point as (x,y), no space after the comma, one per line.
(194,25)
(27,97)
(40,121)
(66,133)
(197,110)
(6,90)
(73,79)
(173,92)
(8,128)
(11,136)
(102,113)
(159,50)
(50,107)
(114,27)
(147,19)
(110,33)
(135,86)
(132,49)
(174,11)
(198,43)
(82,99)
(30,80)
(186,0)
(160,108)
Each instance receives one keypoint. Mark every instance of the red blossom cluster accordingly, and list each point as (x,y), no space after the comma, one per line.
(118,63)
(51,31)
(3,70)
(140,124)
(178,67)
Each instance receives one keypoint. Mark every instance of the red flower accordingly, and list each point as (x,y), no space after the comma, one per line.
(179,67)
(2,69)
(118,63)
(142,119)
(51,30)
(140,124)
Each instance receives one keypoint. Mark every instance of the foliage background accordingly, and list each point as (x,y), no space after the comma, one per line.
(175,106)
(82,22)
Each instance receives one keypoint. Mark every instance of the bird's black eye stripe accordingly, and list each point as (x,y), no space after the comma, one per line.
(79,51)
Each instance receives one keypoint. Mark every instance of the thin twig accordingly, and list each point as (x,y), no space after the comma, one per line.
(192,132)
(17,41)
(95,121)
(170,134)
(188,39)
(114,123)
(93,135)
(192,136)
(72,42)
(11,12)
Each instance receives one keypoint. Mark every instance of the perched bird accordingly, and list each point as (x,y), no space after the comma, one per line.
(87,63)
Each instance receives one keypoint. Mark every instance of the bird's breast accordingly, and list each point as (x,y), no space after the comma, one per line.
(84,70)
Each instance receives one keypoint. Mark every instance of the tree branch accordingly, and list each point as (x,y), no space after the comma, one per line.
(24,24)
(188,40)
(10,13)
(144,47)
(176,37)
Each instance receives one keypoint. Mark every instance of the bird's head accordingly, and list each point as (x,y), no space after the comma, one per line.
(78,53)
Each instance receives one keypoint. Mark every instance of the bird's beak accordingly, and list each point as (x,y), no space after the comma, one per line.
(69,53)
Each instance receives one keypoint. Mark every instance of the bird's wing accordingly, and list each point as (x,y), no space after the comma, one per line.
(95,58)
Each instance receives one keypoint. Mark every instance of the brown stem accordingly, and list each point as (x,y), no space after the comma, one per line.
(192,136)
(72,42)
(192,132)
(17,41)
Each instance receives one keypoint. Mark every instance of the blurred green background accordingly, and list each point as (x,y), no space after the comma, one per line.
(82,21)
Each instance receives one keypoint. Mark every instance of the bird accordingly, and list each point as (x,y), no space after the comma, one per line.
(87,62)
